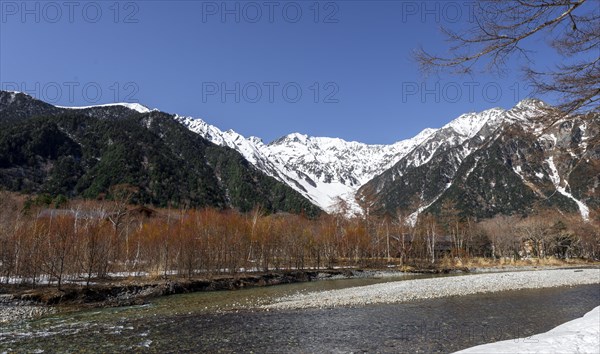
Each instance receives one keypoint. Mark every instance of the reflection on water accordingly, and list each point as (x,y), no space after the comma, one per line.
(226,322)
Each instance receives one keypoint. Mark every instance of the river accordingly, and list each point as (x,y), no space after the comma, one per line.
(227,322)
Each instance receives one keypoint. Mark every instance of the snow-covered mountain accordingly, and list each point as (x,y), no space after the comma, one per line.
(496,162)
(327,171)
(412,174)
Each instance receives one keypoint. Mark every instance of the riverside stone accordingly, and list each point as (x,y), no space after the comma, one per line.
(408,290)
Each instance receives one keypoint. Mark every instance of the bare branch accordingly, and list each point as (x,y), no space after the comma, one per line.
(498,34)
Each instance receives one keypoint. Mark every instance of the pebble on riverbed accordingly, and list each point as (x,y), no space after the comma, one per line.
(15,310)
(408,290)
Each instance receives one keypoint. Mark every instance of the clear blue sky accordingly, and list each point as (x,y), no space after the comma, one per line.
(178,56)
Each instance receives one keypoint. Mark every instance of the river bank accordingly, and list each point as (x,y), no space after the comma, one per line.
(232,321)
(420,289)
(210,322)
(19,302)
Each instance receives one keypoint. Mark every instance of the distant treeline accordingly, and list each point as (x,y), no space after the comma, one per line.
(86,240)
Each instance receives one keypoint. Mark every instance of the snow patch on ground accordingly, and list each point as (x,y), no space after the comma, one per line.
(581,335)
(549,137)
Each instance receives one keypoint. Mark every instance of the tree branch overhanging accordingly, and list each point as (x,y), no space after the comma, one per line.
(500,31)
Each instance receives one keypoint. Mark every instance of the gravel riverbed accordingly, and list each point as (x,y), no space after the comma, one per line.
(15,313)
(13,310)
(407,290)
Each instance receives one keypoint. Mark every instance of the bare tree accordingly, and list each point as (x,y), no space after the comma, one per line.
(450,219)
(405,235)
(503,29)
(431,232)
(503,235)
(10,236)
(534,230)
(121,195)
(94,248)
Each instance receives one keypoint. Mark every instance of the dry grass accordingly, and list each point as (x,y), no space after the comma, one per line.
(407,268)
(480,262)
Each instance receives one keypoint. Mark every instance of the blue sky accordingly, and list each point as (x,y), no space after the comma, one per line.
(341,69)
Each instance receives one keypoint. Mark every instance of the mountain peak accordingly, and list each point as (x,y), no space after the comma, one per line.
(424,134)
(255,140)
(470,124)
(291,138)
(529,103)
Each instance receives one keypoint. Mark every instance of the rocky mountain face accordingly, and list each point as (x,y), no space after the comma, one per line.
(512,161)
(86,151)
(495,161)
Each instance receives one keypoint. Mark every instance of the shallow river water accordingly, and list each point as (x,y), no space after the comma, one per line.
(226,322)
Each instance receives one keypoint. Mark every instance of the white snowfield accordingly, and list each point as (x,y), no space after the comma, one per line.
(408,290)
(581,335)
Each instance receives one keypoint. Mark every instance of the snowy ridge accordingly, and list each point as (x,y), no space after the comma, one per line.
(133,106)
(327,171)
(455,133)
(250,148)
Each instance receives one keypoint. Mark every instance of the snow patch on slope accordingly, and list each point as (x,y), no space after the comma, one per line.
(412,218)
(555,178)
